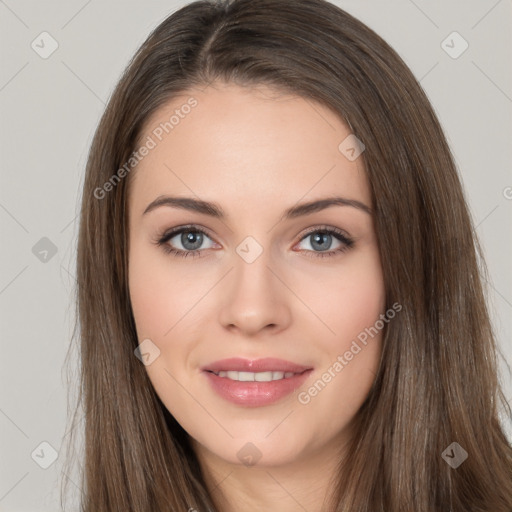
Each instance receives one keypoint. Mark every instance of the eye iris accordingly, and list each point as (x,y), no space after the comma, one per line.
(321,238)
(192,237)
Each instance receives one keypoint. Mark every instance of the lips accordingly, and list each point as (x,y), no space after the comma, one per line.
(268,364)
(246,382)
(255,377)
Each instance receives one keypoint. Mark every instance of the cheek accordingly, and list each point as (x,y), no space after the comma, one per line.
(356,305)
(160,294)
(346,301)
(151,303)
(161,298)
(348,304)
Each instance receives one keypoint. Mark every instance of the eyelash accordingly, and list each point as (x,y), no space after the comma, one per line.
(163,238)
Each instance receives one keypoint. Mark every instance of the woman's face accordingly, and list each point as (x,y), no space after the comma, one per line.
(265,277)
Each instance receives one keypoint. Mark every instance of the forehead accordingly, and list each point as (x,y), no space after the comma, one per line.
(228,143)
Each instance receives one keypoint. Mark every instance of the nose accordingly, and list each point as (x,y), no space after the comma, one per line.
(254,298)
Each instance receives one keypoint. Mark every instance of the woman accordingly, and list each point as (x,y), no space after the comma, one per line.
(279,295)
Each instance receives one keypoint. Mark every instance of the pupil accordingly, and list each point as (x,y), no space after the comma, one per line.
(193,238)
(321,240)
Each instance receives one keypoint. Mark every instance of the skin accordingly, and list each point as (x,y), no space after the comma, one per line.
(255,153)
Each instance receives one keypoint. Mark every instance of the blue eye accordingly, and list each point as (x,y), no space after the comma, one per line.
(322,238)
(191,239)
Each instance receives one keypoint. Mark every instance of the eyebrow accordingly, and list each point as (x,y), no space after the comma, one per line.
(214,210)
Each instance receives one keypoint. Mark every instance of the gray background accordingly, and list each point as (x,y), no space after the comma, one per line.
(49,111)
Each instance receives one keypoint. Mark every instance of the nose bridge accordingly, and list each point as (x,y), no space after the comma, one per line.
(251,272)
(253,299)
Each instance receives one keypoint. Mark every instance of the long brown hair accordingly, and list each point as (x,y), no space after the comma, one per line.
(438,380)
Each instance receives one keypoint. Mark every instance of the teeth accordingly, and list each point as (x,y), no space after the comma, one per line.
(251,376)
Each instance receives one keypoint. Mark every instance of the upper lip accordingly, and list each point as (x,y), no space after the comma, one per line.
(239,364)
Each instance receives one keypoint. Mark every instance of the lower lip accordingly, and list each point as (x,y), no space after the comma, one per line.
(255,394)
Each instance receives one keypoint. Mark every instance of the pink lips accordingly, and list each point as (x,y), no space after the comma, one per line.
(252,393)
(238,364)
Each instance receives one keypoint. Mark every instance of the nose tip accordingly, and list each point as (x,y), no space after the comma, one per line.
(253,299)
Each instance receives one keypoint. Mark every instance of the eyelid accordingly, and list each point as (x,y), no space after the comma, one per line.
(169,233)
(325,227)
